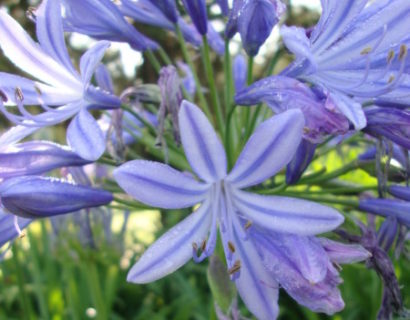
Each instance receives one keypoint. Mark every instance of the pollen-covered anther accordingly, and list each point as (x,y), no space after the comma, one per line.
(390,56)
(391,78)
(248,224)
(18,94)
(235,268)
(366,51)
(306,129)
(22,235)
(38,90)
(231,246)
(403,52)
(3,96)
(195,246)
(203,245)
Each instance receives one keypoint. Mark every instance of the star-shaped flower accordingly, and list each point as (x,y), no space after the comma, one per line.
(223,203)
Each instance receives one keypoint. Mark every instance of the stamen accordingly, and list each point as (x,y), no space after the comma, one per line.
(18,94)
(3,96)
(366,50)
(16,225)
(231,247)
(306,130)
(194,246)
(402,52)
(235,268)
(38,90)
(390,56)
(391,78)
(248,224)
(203,245)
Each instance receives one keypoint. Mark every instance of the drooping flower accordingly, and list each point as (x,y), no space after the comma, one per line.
(391,123)
(223,203)
(38,197)
(102,20)
(254,20)
(358,49)
(61,91)
(282,93)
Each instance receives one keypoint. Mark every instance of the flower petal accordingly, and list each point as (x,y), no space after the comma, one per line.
(202,146)
(388,208)
(91,59)
(344,253)
(36,157)
(50,34)
(286,215)
(269,149)
(159,185)
(257,288)
(38,197)
(85,136)
(30,57)
(7,229)
(173,249)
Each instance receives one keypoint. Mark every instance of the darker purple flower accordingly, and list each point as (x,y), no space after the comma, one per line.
(197,11)
(38,197)
(391,123)
(283,93)
(301,160)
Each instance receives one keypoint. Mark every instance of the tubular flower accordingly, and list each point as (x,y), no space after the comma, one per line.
(61,91)
(224,204)
(357,50)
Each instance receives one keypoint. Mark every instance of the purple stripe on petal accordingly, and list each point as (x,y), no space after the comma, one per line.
(173,249)
(159,185)
(202,146)
(287,215)
(269,149)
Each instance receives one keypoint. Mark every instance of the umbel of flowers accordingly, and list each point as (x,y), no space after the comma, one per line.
(241,170)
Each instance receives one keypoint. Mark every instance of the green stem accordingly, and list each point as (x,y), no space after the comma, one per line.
(146,123)
(212,86)
(164,56)
(153,60)
(334,174)
(188,60)
(132,204)
(229,88)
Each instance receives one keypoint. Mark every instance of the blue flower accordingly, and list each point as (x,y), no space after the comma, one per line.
(197,11)
(223,203)
(357,50)
(59,85)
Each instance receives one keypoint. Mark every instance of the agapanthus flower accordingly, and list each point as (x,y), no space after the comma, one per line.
(391,123)
(223,203)
(282,93)
(153,13)
(197,11)
(102,20)
(358,49)
(254,20)
(38,197)
(59,83)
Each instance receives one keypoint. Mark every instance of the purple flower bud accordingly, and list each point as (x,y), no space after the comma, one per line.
(38,197)
(391,123)
(387,233)
(171,94)
(36,157)
(302,158)
(344,253)
(197,11)
(387,207)
(400,192)
(256,21)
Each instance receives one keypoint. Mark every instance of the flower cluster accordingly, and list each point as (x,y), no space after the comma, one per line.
(185,142)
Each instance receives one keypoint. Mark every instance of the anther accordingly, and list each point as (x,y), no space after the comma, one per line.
(38,90)
(366,51)
(235,268)
(18,94)
(391,78)
(390,56)
(231,246)
(402,52)
(306,130)
(248,225)
(21,234)
(203,245)
(195,246)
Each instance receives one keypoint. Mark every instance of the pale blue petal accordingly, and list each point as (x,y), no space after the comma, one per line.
(350,108)
(159,185)
(91,59)
(173,249)
(269,149)
(202,146)
(344,253)
(287,215)
(50,34)
(85,136)
(30,57)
